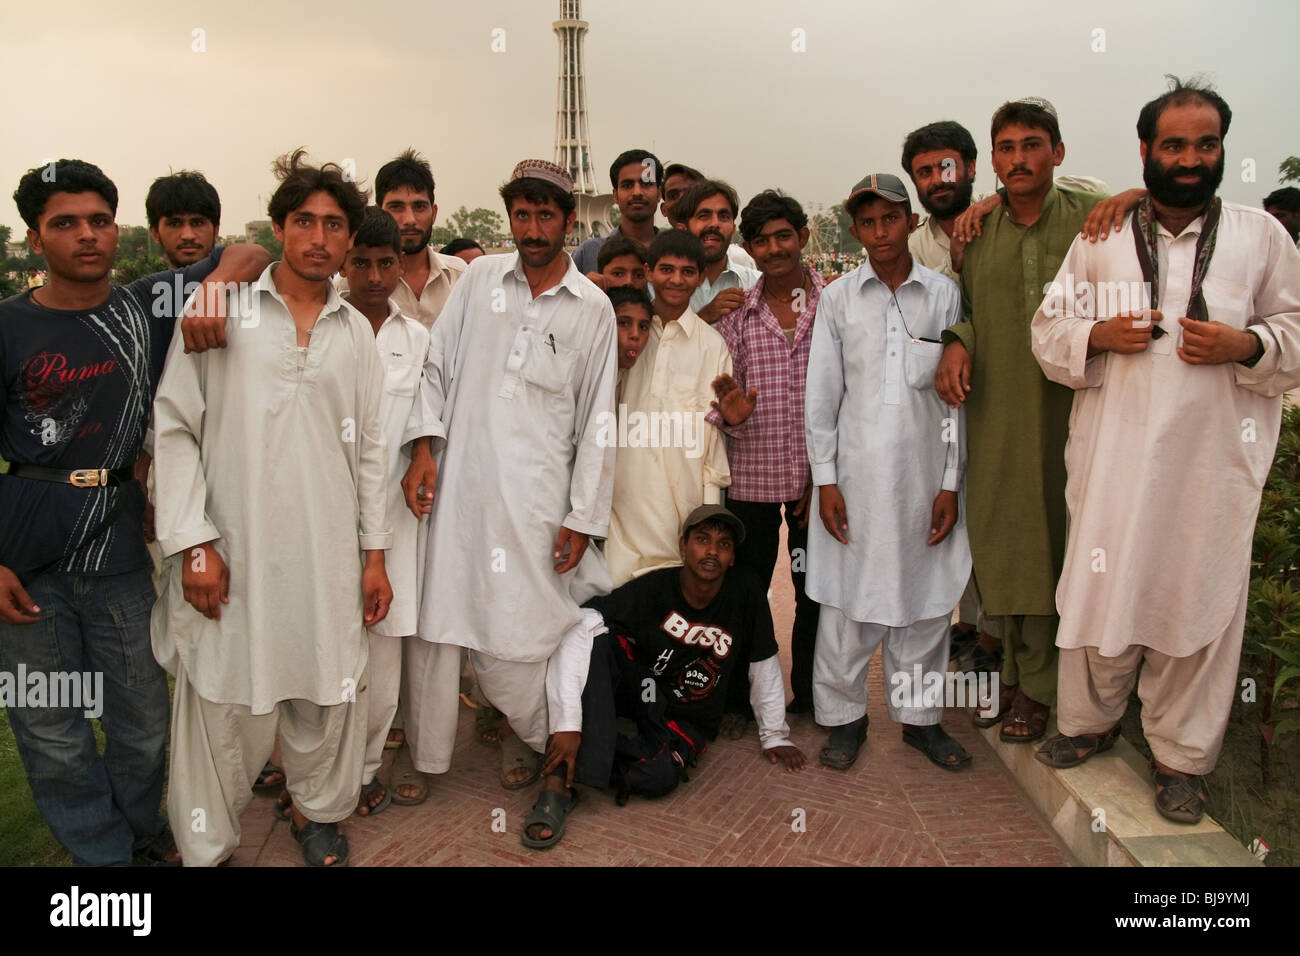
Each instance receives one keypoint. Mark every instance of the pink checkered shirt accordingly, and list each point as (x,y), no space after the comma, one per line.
(768,452)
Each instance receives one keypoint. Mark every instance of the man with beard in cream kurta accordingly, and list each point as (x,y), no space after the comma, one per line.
(1175,420)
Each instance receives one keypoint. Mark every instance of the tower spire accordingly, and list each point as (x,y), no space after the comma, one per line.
(572,140)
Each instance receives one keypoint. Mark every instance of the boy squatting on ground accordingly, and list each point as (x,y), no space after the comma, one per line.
(675,637)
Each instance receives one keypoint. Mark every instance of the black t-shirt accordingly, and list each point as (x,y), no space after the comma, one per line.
(693,653)
(78,393)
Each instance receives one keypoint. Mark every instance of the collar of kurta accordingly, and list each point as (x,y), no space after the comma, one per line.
(333,301)
(572,279)
(869,274)
(1049,203)
(688,322)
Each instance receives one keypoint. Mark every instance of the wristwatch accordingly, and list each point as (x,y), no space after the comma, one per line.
(1259,351)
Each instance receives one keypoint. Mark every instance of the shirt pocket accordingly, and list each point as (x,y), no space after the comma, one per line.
(402,378)
(548,365)
(684,393)
(921,363)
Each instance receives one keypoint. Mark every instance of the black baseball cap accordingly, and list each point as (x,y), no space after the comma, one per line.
(717,513)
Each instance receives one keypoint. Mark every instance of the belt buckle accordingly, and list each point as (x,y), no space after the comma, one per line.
(89,478)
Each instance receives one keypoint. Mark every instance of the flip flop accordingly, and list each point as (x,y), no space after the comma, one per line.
(319,840)
(842,746)
(392,744)
(366,793)
(404,774)
(1006,695)
(487,723)
(516,753)
(934,742)
(552,810)
(282,808)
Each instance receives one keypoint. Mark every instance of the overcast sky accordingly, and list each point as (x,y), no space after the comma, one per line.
(719,84)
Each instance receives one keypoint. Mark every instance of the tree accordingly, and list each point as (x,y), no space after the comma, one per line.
(266,239)
(137,255)
(1288,171)
(482,225)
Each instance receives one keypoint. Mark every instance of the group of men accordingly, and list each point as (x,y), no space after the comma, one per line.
(553,486)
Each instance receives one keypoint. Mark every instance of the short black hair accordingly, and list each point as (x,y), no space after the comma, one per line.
(299,179)
(539,192)
(675,242)
(179,193)
(944,134)
(67,176)
(631,295)
(638,156)
(768,205)
(409,169)
(697,192)
(681,169)
(619,245)
(1029,115)
(1287,199)
(378,229)
(460,245)
(1179,94)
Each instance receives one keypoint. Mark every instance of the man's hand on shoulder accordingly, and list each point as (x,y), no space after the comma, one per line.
(203,325)
(1109,214)
(723,304)
(970,223)
(787,754)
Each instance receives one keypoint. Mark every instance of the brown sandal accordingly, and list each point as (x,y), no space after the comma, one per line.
(1005,696)
(1025,712)
(1178,796)
(1062,751)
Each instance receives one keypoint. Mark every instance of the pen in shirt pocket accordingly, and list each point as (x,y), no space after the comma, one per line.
(550,340)
(931,341)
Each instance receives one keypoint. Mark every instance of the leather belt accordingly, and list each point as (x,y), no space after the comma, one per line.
(78,477)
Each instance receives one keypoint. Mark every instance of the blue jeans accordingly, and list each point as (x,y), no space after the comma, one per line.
(99,808)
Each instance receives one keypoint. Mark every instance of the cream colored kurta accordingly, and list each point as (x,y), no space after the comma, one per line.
(670,461)
(277,454)
(1166,460)
(513,393)
(403,344)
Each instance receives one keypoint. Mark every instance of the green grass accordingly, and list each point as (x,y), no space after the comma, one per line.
(25,840)
(1238,800)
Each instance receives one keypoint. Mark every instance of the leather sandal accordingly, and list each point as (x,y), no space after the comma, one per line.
(1062,751)
(1178,797)
(1025,712)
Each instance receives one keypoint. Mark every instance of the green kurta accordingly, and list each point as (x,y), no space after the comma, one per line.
(1017,421)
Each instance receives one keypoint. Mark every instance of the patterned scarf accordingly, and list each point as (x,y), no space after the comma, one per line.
(1148,253)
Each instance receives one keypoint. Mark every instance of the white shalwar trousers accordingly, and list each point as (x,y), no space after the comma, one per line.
(843,653)
(217,751)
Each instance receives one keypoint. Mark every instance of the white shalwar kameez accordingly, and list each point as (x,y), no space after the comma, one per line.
(515,392)
(877,430)
(402,344)
(1165,462)
(274,453)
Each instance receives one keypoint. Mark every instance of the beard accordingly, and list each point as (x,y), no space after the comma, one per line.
(1167,191)
(412,245)
(952,205)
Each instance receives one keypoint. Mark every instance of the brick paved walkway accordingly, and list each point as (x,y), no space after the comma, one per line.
(893,808)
